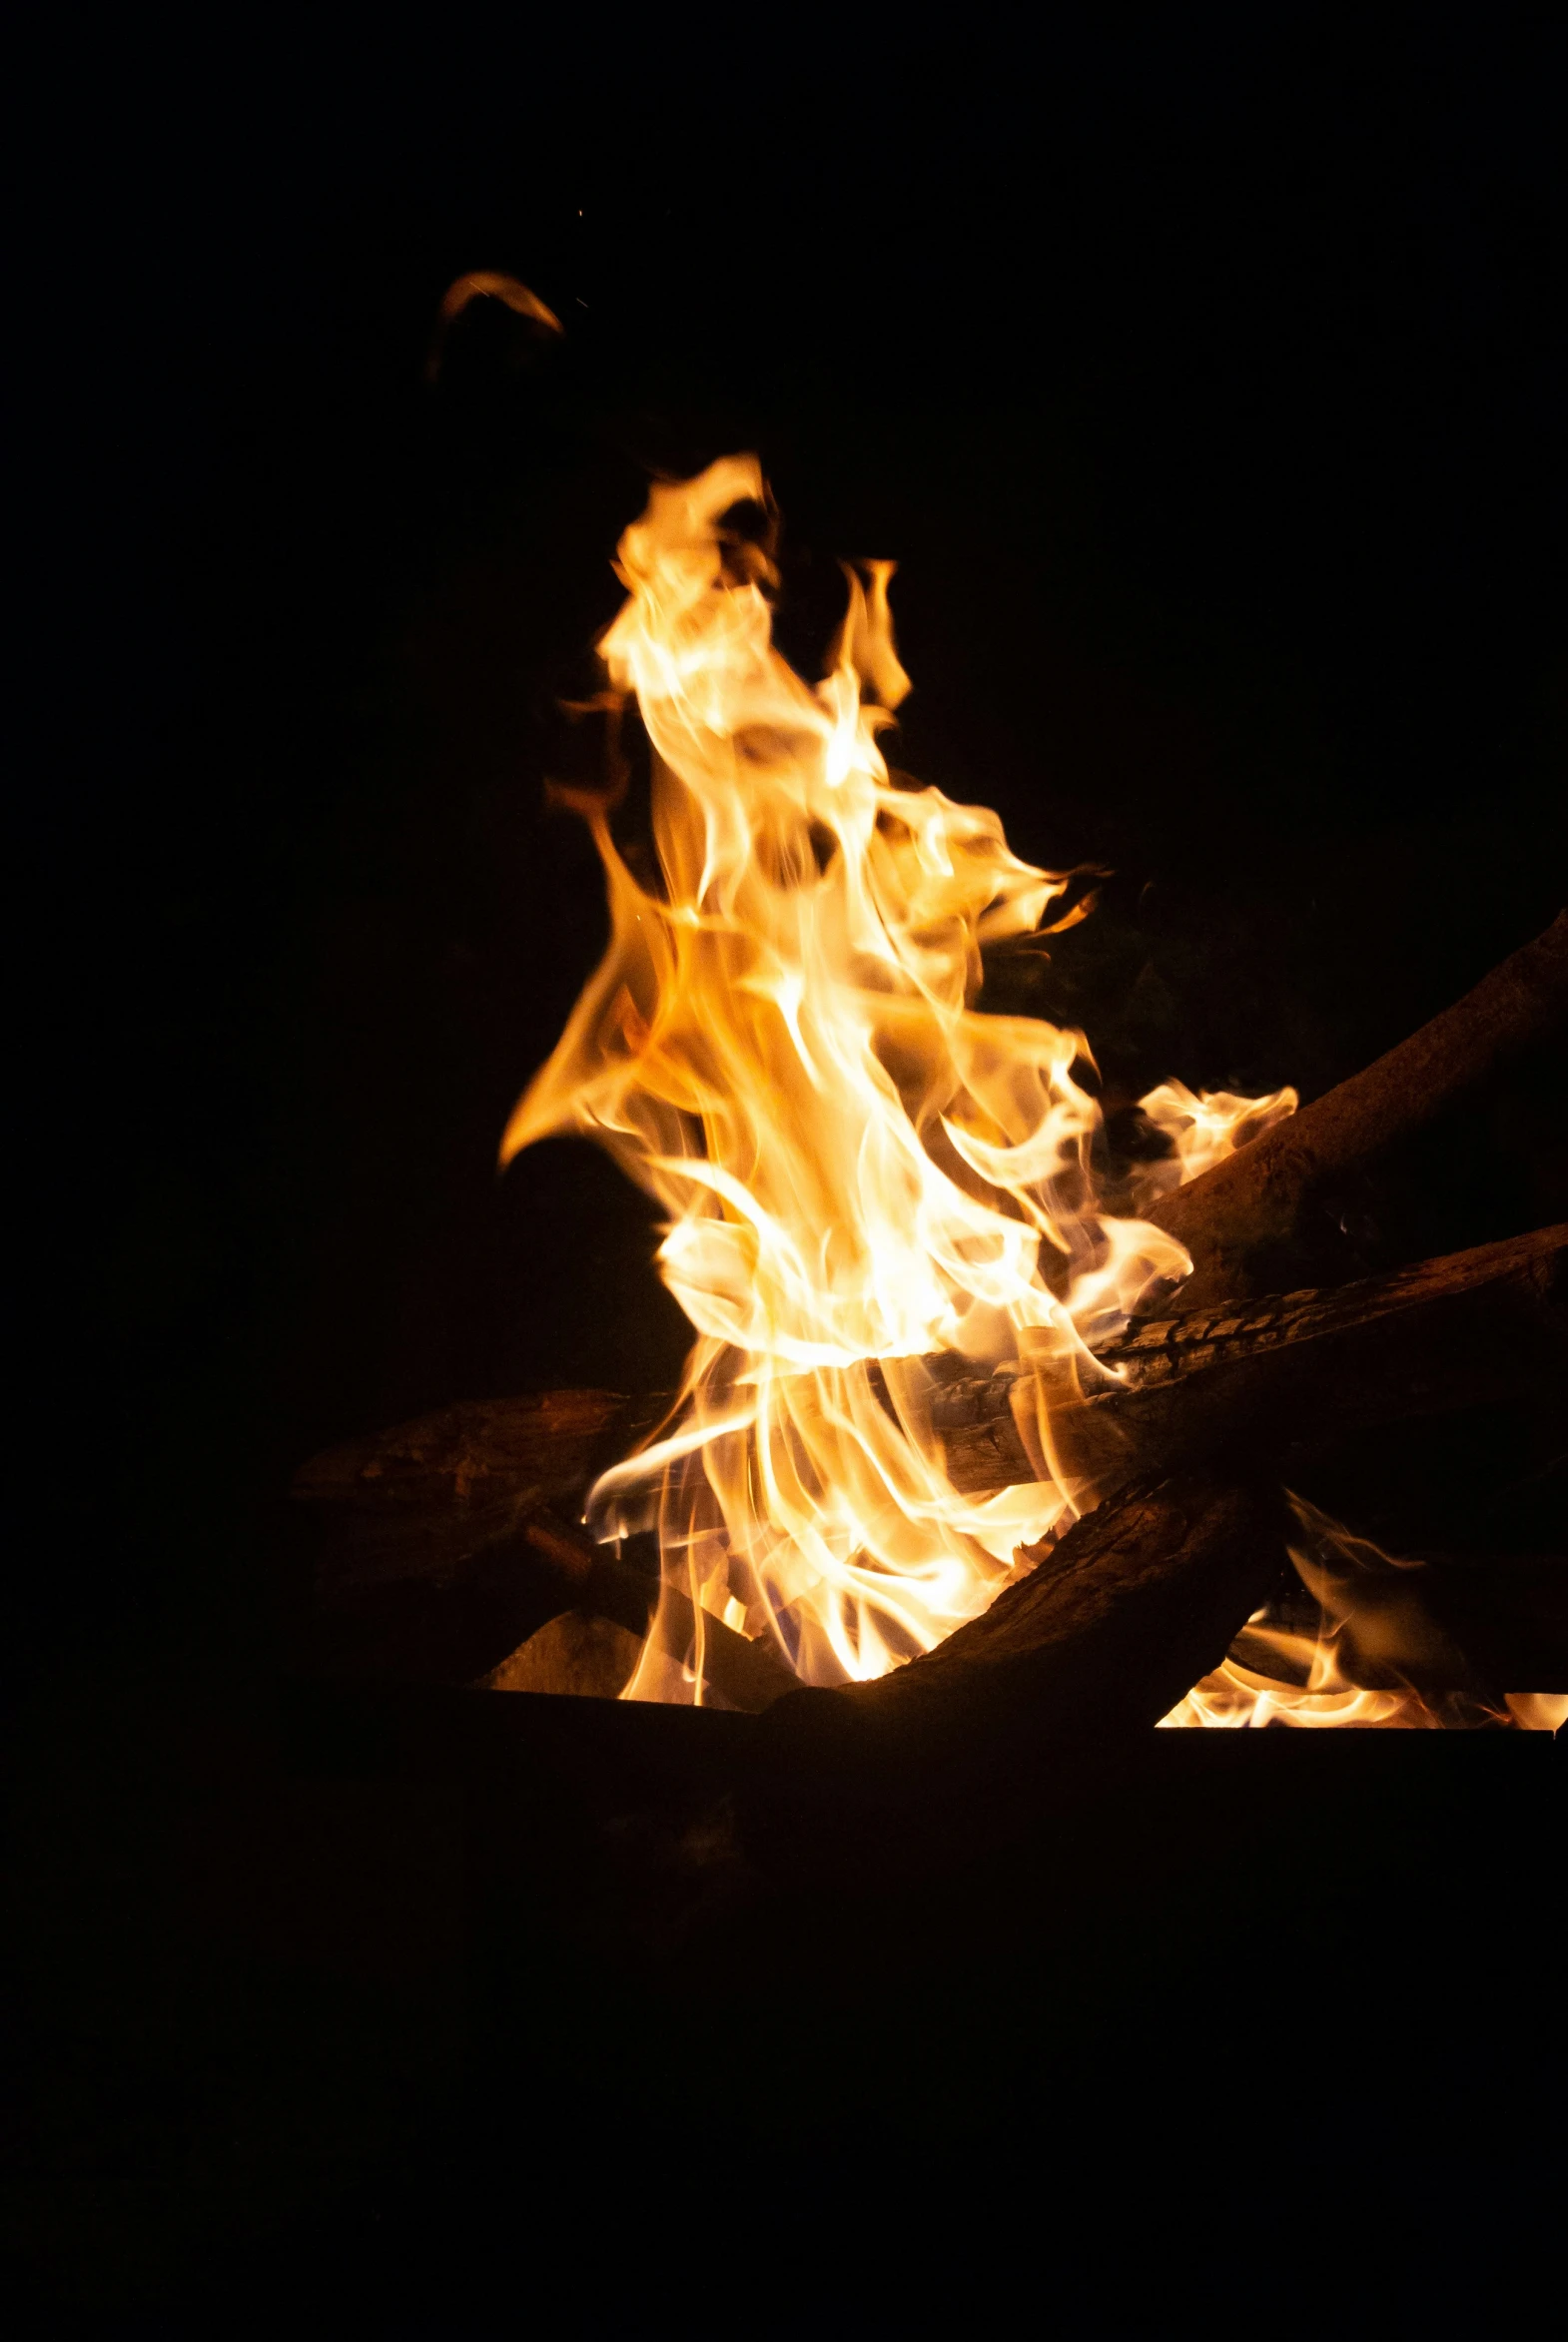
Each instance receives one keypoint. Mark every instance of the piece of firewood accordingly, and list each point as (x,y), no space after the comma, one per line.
(1287,1373)
(1253,1198)
(1109,1630)
(463,1500)
(425,1499)
(468,1490)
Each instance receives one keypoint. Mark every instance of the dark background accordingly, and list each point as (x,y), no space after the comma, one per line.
(1205,375)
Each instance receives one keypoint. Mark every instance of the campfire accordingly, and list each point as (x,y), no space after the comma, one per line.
(989,1425)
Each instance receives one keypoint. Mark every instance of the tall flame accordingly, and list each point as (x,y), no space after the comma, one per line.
(860,1172)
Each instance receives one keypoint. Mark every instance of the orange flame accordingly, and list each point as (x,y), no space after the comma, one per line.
(859,1171)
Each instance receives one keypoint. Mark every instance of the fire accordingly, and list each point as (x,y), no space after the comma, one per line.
(861,1173)
(1365,1660)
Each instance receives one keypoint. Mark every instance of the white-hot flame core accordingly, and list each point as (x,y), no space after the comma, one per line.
(858,1169)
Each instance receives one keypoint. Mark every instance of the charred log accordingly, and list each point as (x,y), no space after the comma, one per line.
(425,1500)
(1280,1375)
(431,1497)
(444,1545)
(1251,1201)
(1102,1637)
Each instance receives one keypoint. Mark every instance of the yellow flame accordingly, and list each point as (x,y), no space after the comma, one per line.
(859,1171)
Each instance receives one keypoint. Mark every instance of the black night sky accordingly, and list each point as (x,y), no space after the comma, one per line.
(1204,372)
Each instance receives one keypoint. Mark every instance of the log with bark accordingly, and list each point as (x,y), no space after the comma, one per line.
(1249,1205)
(1286,1373)
(476,1508)
(428,1498)
(411,1559)
(1105,1632)
(1043,1701)
(425,1498)
(485,1497)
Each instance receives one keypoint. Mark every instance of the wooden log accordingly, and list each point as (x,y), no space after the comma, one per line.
(1252,1201)
(472,1498)
(1110,1629)
(471,1501)
(423,1500)
(1289,1374)
(429,1498)
(411,1562)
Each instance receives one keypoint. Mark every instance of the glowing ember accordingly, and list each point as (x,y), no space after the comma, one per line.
(861,1173)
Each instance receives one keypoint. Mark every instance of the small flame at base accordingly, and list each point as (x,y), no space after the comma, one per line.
(1374,1657)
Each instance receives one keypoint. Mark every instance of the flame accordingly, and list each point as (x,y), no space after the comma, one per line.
(859,1172)
(483,285)
(862,1176)
(1373,1657)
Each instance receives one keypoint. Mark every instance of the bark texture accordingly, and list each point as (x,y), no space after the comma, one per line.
(1290,1372)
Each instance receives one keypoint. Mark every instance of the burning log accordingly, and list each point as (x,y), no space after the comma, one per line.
(1290,1372)
(423,1500)
(412,1563)
(486,1494)
(1252,1201)
(468,1501)
(1104,1636)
